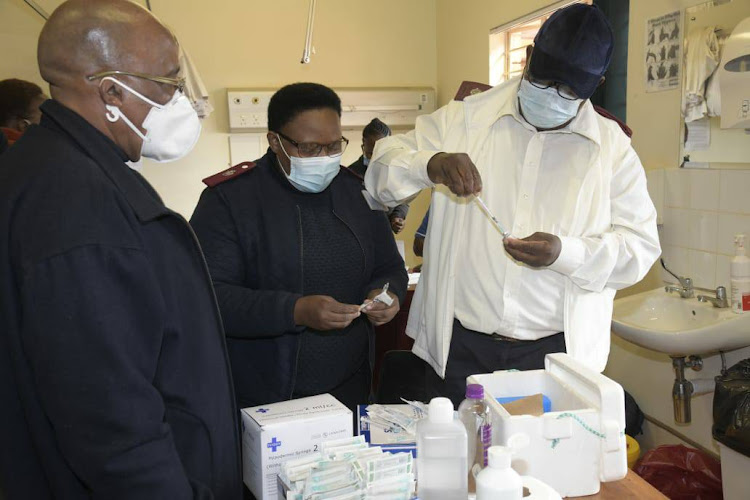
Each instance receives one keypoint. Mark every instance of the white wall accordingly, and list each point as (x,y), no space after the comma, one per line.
(19,31)
(696,220)
(701,211)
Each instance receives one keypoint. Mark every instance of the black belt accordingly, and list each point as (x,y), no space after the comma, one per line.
(503,338)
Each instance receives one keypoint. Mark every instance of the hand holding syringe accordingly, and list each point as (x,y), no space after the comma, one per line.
(495,222)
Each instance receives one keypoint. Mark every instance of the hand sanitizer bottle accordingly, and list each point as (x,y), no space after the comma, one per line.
(441,454)
(739,275)
(499,481)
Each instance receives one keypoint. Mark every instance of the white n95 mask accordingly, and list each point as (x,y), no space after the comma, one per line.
(544,108)
(172,129)
(311,175)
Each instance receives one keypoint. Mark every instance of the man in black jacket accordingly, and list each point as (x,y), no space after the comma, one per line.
(114,377)
(293,250)
(372,133)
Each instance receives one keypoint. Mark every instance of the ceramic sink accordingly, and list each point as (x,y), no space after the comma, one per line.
(670,324)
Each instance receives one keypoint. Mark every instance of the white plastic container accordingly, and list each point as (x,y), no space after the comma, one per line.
(441,454)
(577,445)
(498,481)
(739,276)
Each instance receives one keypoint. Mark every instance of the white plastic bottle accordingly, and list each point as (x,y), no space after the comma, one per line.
(499,481)
(441,454)
(739,275)
(475,415)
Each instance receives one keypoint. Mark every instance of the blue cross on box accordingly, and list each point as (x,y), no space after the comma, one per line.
(274,445)
(262,410)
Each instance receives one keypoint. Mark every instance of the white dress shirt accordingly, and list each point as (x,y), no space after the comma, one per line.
(524,190)
(583,183)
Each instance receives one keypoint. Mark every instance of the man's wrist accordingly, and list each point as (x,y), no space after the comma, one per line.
(433,168)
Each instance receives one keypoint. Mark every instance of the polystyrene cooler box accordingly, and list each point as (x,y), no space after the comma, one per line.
(577,445)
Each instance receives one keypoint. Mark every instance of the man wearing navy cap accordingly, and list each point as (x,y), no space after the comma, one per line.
(565,183)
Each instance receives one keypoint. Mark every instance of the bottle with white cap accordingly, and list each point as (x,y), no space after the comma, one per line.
(499,481)
(441,454)
(739,275)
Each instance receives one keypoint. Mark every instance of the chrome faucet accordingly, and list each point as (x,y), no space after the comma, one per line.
(719,301)
(686,284)
(685,289)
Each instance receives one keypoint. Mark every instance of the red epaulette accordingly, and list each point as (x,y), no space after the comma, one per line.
(468,88)
(606,114)
(230,173)
(351,172)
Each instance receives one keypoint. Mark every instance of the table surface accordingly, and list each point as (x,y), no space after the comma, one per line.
(633,486)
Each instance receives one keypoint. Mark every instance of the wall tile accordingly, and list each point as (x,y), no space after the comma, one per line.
(676,259)
(676,230)
(702,266)
(729,225)
(703,228)
(704,189)
(677,188)
(722,272)
(735,191)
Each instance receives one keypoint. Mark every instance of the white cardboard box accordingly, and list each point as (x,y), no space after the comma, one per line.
(275,433)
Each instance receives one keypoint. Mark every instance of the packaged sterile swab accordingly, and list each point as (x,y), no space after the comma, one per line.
(339,443)
(382,297)
(494,220)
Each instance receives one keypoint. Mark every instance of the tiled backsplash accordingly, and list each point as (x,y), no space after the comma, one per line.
(700,211)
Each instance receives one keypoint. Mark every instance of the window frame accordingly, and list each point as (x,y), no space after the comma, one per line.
(520,25)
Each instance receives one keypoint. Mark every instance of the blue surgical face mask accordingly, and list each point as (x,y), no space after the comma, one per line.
(311,175)
(544,108)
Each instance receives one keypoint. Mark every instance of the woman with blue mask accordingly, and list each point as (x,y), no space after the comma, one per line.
(295,251)
(372,133)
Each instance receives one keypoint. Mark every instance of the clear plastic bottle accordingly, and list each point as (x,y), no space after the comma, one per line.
(475,415)
(499,481)
(441,454)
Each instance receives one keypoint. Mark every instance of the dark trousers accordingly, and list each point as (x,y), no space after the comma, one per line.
(474,352)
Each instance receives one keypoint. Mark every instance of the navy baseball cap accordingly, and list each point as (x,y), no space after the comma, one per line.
(574,47)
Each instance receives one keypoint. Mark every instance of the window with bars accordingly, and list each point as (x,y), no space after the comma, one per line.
(508,42)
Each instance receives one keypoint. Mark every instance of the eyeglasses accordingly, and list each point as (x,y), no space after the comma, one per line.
(177,82)
(311,149)
(563,90)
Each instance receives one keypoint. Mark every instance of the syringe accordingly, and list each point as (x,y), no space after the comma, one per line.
(494,220)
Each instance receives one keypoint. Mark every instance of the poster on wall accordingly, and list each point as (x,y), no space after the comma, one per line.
(663,52)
